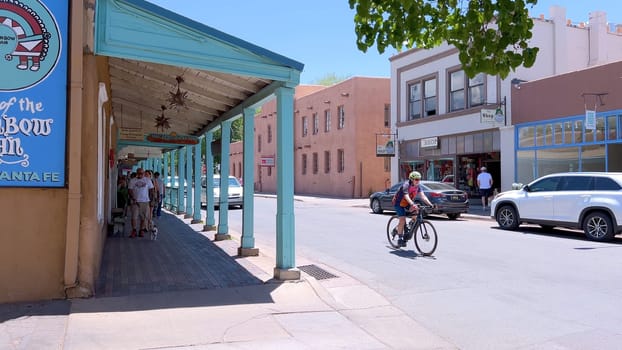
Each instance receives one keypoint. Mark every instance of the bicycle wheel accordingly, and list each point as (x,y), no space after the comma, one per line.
(392,231)
(426,238)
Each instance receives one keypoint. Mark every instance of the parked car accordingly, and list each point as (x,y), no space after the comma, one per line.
(174,182)
(448,199)
(236,192)
(591,202)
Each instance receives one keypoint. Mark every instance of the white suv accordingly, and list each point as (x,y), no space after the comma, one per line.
(591,202)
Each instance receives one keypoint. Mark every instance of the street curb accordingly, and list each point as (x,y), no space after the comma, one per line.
(477,217)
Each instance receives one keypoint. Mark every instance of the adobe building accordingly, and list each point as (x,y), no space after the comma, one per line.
(86,83)
(336,134)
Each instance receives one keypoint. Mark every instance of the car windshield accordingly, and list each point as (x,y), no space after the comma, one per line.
(233,182)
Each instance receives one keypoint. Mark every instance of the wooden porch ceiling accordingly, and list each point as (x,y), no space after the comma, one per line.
(139,89)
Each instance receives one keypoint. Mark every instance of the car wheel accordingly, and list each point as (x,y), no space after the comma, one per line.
(453,216)
(597,226)
(507,218)
(375,206)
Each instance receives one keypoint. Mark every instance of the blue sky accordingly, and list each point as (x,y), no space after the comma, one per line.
(320,33)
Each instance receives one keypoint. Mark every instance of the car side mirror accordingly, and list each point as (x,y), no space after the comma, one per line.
(526,188)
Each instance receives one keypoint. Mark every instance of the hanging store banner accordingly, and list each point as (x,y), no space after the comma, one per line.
(266,161)
(385,145)
(590,120)
(33,92)
(492,116)
(173,138)
(131,134)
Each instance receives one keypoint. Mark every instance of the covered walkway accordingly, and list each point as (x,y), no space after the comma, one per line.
(180,259)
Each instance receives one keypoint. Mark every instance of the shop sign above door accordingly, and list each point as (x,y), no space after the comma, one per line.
(430,142)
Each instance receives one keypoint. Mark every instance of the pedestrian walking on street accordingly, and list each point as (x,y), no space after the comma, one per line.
(484,182)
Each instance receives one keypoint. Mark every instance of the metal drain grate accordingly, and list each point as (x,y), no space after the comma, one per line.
(316,272)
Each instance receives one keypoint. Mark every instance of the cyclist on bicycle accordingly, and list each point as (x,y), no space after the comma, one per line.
(410,190)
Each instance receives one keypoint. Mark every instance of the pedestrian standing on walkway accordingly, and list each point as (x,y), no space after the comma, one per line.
(131,204)
(122,194)
(139,194)
(484,182)
(160,186)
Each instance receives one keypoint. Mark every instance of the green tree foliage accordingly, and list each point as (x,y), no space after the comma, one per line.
(491,35)
(329,79)
(237,131)
(237,134)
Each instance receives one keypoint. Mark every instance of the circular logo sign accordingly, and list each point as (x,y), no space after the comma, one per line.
(30,44)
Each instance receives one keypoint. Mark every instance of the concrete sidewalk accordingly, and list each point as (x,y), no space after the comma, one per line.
(332,313)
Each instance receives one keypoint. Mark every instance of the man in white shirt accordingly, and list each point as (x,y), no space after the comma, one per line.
(139,193)
(484,182)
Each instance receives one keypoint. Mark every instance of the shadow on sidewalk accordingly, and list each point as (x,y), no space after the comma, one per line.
(180,259)
(41,308)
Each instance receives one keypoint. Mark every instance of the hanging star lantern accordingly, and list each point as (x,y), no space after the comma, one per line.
(177,99)
(162,121)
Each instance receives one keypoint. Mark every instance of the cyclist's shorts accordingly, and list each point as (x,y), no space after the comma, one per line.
(400,211)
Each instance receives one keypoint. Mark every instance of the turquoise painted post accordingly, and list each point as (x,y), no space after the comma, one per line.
(210,219)
(164,177)
(223,204)
(285,227)
(247,246)
(156,168)
(190,189)
(196,217)
(173,191)
(181,206)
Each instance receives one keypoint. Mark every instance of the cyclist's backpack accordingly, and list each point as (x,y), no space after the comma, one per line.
(397,197)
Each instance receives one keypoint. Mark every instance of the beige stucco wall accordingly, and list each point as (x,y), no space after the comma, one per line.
(92,231)
(32,243)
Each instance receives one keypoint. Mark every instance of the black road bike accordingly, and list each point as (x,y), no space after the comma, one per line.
(416,227)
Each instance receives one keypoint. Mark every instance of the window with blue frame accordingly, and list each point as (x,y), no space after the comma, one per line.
(567,144)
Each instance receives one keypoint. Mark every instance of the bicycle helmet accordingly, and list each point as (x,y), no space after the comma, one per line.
(415,175)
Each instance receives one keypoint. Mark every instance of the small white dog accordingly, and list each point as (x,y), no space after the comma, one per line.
(119,226)
(154,233)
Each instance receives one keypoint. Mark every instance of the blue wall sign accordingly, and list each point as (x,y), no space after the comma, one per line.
(33,92)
